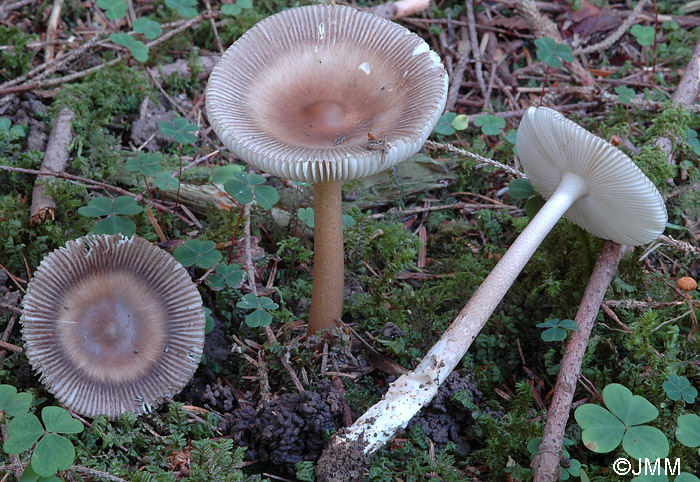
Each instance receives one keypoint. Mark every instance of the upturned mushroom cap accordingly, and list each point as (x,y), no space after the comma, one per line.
(621,203)
(298,94)
(112,324)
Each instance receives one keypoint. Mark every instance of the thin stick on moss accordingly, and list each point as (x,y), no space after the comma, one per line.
(546,462)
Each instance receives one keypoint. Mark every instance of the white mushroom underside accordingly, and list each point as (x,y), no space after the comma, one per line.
(621,204)
(302,93)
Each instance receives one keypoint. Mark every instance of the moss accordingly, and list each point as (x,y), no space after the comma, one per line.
(15,61)
(652,161)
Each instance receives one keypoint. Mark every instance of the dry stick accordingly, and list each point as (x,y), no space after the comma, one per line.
(7,7)
(219,45)
(476,157)
(97,473)
(544,27)
(619,32)
(463,47)
(476,51)
(250,269)
(78,75)
(55,160)
(51,28)
(546,462)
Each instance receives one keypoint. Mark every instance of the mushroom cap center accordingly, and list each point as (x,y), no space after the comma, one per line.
(106,334)
(328,115)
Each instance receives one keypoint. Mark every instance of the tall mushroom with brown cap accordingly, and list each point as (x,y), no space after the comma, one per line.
(585,178)
(326,94)
(112,325)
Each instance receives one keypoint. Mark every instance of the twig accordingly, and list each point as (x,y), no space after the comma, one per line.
(476,157)
(619,32)
(463,48)
(55,160)
(7,7)
(51,28)
(546,463)
(456,205)
(97,473)
(219,45)
(476,52)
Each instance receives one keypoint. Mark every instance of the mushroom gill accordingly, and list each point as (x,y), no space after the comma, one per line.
(112,325)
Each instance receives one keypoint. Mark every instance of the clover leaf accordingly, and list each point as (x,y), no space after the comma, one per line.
(306,215)
(246,186)
(491,125)
(202,254)
(52,452)
(643,34)
(180,129)
(165,180)
(688,430)
(186,8)
(691,139)
(520,189)
(603,430)
(226,173)
(450,122)
(553,54)
(114,9)
(224,275)
(114,209)
(679,387)
(149,28)
(137,48)
(261,307)
(145,163)
(556,329)
(236,8)
(13,403)
(625,94)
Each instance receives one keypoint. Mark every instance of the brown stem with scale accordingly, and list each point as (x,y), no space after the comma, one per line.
(329,268)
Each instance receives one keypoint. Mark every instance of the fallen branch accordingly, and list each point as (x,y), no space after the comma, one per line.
(546,463)
(55,160)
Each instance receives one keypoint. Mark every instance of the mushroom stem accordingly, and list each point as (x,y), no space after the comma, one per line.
(329,266)
(412,391)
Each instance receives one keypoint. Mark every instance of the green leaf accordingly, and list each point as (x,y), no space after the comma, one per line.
(180,129)
(602,431)
(686,477)
(5,124)
(520,189)
(552,53)
(7,393)
(248,302)
(643,34)
(139,50)
(460,122)
(186,8)
(491,125)
(533,206)
(258,318)
(688,431)
(631,409)
(250,179)
(164,180)
(146,163)
(231,9)
(226,173)
(114,9)
(242,193)
(202,254)
(568,325)
(149,28)
(22,432)
(209,325)
(13,403)
(232,274)
(307,216)
(126,205)
(115,225)
(348,221)
(679,387)
(267,304)
(97,207)
(444,124)
(625,94)
(551,323)
(51,454)
(643,441)
(553,334)
(123,39)
(57,419)
(267,196)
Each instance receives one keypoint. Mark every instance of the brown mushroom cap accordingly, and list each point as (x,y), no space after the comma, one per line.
(686,283)
(298,94)
(112,325)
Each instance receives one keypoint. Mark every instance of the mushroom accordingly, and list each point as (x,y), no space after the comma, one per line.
(326,94)
(584,177)
(688,284)
(112,324)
